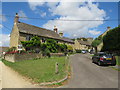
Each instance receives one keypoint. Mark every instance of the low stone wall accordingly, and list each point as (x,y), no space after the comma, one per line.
(10,57)
(57,54)
(20,57)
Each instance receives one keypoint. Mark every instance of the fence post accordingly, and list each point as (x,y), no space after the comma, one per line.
(56,68)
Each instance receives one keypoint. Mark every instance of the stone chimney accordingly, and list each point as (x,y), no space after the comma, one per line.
(108,28)
(16,18)
(61,34)
(55,29)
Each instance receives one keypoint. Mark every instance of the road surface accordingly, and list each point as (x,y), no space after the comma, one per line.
(86,74)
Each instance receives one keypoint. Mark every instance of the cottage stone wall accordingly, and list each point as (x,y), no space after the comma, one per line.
(10,57)
(21,57)
(14,37)
(77,45)
(57,54)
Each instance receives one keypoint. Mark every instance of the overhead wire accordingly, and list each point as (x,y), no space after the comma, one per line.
(65,19)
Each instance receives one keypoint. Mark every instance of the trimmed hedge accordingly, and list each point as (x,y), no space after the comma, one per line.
(111,41)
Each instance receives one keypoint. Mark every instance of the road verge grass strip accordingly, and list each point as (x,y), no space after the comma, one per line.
(41,70)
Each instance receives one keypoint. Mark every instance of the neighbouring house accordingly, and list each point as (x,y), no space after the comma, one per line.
(24,32)
(99,47)
(83,45)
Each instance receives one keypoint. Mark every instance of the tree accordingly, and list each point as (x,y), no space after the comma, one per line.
(69,48)
(96,42)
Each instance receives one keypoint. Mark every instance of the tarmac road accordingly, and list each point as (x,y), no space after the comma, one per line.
(86,74)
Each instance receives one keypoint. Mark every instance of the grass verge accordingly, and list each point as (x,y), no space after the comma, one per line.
(118,60)
(41,70)
(117,63)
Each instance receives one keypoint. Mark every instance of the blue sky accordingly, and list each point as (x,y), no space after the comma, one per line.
(70,11)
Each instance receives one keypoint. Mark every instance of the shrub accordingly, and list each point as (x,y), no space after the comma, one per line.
(69,48)
(16,52)
(96,42)
(12,52)
(46,52)
(32,44)
(78,51)
(11,49)
(111,41)
(63,47)
(51,45)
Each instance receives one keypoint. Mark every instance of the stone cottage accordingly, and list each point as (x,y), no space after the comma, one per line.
(83,45)
(99,47)
(24,32)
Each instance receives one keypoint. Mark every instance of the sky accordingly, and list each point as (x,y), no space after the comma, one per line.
(71,18)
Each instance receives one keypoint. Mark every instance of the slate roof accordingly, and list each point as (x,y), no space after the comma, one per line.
(84,42)
(31,29)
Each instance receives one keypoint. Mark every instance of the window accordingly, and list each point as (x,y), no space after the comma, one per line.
(43,40)
(28,37)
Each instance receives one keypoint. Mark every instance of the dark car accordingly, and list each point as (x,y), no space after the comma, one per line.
(102,58)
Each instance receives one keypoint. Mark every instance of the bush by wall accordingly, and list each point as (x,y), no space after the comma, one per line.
(111,41)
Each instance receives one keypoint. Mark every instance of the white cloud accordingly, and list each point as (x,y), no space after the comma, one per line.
(94,32)
(1,26)
(4,39)
(73,11)
(43,14)
(76,11)
(22,14)
(3,18)
(33,5)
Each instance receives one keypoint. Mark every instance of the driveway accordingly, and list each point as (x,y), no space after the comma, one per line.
(86,74)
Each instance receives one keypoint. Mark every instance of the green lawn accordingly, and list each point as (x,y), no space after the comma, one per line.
(118,60)
(40,70)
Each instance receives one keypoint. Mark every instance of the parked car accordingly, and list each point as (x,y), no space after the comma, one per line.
(103,58)
(91,51)
(84,51)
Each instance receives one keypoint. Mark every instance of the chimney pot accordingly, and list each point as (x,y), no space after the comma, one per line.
(55,29)
(108,27)
(61,34)
(16,18)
